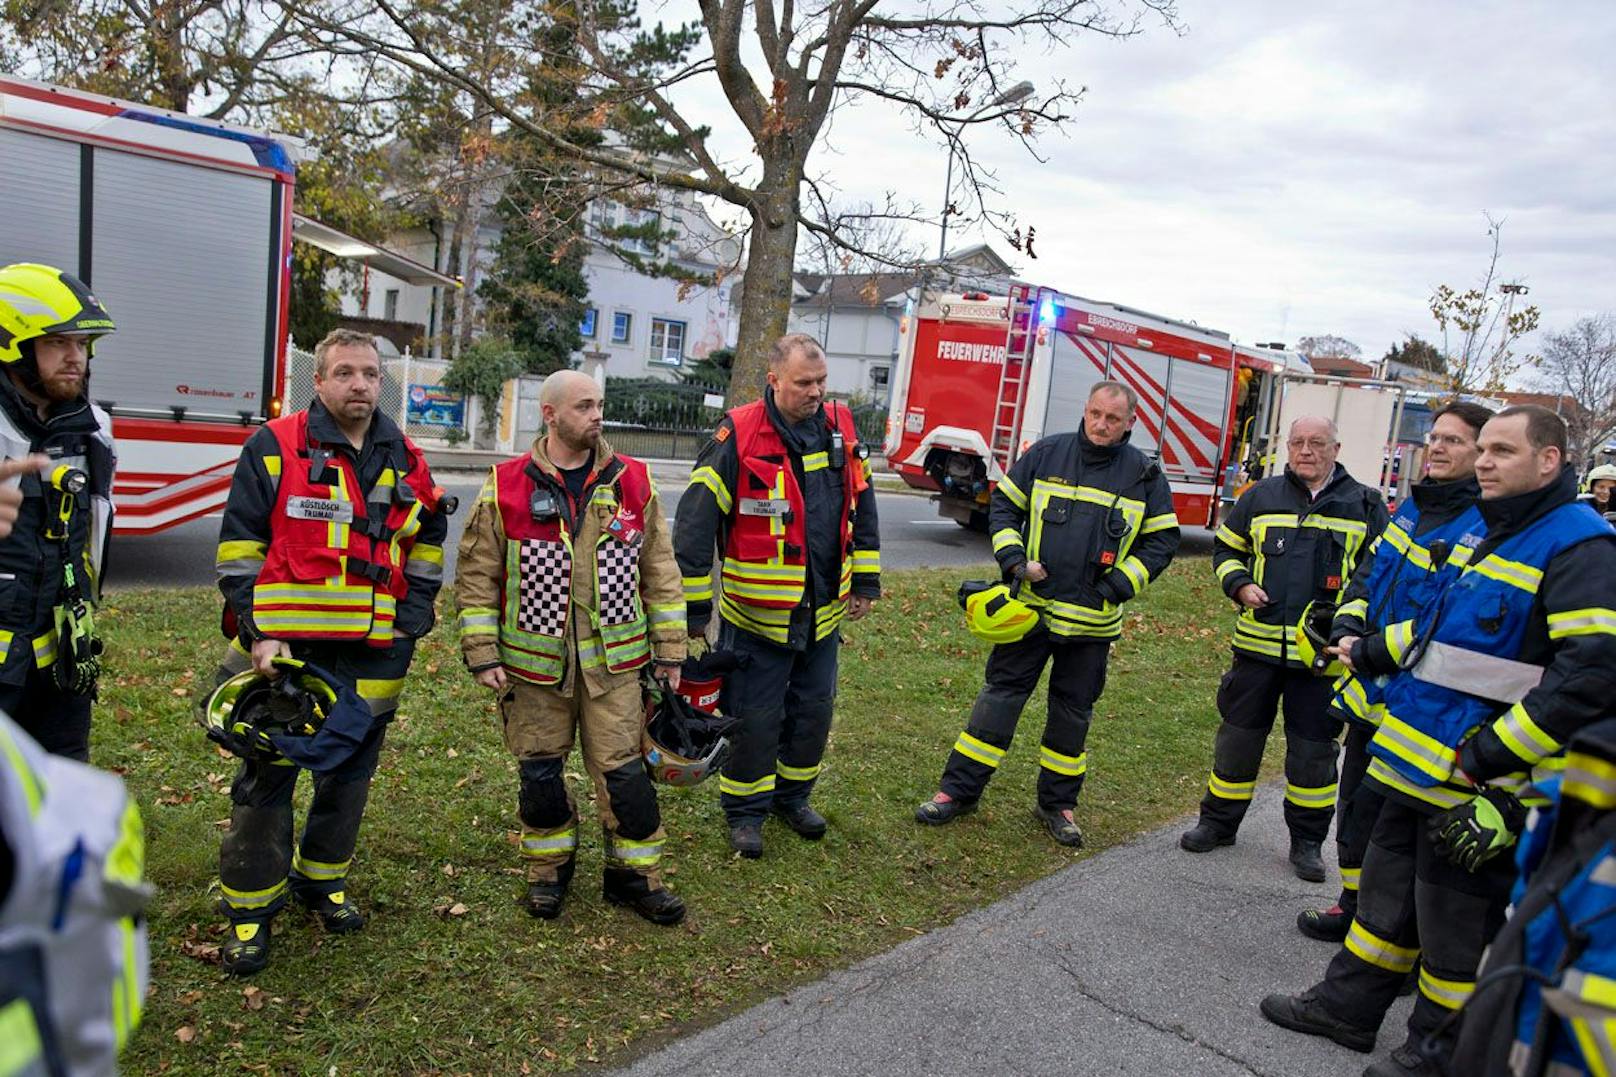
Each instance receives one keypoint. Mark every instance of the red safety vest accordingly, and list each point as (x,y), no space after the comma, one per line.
(766,549)
(331,572)
(540,555)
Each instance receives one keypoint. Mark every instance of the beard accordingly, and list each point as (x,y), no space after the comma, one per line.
(62,390)
(579,439)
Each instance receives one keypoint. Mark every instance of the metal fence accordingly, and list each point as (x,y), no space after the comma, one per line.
(672,420)
(400,374)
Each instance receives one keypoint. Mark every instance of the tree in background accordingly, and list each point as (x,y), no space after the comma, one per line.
(946,68)
(1481,325)
(1580,363)
(711,370)
(1417,353)
(1328,346)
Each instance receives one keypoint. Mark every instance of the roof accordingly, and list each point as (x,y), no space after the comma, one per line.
(343,245)
(1339,366)
(854,289)
(1557,402)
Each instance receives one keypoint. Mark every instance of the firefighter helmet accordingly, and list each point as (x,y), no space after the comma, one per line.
(1313,640)
(1603,471)
(685,738)
(994,613)
(38,300)
(247,713)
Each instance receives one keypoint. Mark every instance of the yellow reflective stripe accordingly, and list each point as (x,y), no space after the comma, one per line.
(45,649)
(1358,607)
(1380,952)
(5,644)
(561,841)
(1592,621)
(318,595)
(311,620)
(1317,796)
(706,476)
(1350,878)
(666,612)
(1590,779)
(641,854)
(128,1003)
(866,560)
(241,550)
(764,571)
(1424,752)
(379,689)
(1227,790)
(489,493)
(1257,646)
(1005,538)
(980,750)
(1514,573)
(756,620)
(1013,492)
(815,461)
(1228,567)
(33,785)
(1166,521)
(1449,994)
(272,464)
(252,899)
(426,551)
(321,871)
(1249,625)
(735,788)
(1231,538)
(797,774)
(1272,519)
(1399,638)
(1523,736)
(1441,796)
(126,860)
(1591,987)
(1073,766)
(1337,523)
(479,621)
(1135,570)
(1132,509)
(698,588)
(20,1047)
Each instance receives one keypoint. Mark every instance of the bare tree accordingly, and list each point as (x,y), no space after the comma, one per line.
(784,70)
(1481,325)
(1580,363)
(1328,346)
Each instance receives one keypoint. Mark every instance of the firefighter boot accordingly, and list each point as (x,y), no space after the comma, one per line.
(338,913)
(630,888)
(1404,1061)
(1203,837)
(1326,925)
(1307,860)
(746,838)
(943,808)
(1060,826)
(247,950)
(1306,1013)
(544,899)
(801,818)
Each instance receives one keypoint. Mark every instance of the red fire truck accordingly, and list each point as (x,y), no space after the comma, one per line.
(981,377)
(183,227)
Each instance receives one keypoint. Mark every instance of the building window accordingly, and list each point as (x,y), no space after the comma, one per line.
(586,328)
(390,304)
(605,216)
(667,341)
(622,326)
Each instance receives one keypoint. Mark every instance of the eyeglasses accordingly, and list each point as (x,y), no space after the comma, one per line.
(1316,444)
(1451,440)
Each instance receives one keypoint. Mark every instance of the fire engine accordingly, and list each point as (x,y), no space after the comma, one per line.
(183,228)
(981,377)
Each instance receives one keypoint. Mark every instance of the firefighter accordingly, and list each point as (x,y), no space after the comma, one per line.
(1290,542)
(50,565)
(567,588)
(1393,581)
(1487,682)
(782,492)
(1084,520)
(1601,488)
(330,551)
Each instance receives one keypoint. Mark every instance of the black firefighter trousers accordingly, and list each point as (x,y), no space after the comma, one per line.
(1357,807)
(1249,698)
(785,700)
(1076,679)
(1415,904)
(259,864)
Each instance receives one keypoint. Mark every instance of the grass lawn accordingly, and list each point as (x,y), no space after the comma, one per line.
(453,977)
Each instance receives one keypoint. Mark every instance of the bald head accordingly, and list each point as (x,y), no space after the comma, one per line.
(572,405)
(1313,446)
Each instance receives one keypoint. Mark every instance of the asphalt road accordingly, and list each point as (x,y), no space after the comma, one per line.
(912,536)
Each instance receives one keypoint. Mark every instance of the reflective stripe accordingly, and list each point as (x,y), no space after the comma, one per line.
(380,692)
(33,784)
(731,787)
(317,870)
(1350,877)
(1514,573)
(699,588)
(1358,607)
(1524,737)
(662,613)
(1317,796)
(479,621)
(240,556)
(980,750)
(866,560)
(1228,790)
(5,644)
(45,649)
(1135,570)
(1379,952)
(1232,538)
(1013,493)
(562,841)
(247,900)
(128,1001)
(1449,994)
(1590,779)
(1587,1001)
(1005,538)
(272,464)
(639,854)
(1073,766)
(1425,753)
(1502,680)
(1398,638)
(20,1049)
(1166,521)
(1588,622)
(797,774)
(706,476)
(425,562)
(1229,567)
(815,461)
(1442,796)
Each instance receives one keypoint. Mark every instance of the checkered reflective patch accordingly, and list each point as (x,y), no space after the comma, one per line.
(546,580)
(619,582)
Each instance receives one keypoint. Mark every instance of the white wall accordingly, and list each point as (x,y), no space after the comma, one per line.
(857,340)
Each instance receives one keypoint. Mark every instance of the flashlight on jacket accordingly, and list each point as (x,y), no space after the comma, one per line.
(69,479)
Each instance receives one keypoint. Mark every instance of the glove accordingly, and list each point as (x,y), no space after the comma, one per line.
(1472,834)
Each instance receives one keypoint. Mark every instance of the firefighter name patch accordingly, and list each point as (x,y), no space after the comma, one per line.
(319,508)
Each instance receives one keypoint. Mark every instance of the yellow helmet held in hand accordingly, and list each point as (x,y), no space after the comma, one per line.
(994,613)
(39,301)
(1313,639)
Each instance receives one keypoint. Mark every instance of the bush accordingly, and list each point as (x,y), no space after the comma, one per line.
(482,371)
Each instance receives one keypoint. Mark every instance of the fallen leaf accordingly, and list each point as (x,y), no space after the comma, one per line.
(185,1033)
(452,754)
(254,997)
(458,909)
(190,998)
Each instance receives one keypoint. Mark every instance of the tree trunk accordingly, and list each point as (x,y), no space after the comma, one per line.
(765,291)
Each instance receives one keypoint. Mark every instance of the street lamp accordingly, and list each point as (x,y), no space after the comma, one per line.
(1019,92)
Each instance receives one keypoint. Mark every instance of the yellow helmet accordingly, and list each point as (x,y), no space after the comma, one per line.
(994,613)
(38,300)
(1313,636)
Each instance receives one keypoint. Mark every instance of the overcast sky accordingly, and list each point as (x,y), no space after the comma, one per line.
(1283,169)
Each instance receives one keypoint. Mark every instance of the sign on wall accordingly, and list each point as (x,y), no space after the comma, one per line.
(433,405)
